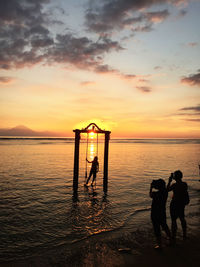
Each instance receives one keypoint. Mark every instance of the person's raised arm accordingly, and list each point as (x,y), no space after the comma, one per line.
(169,182)
(88,161)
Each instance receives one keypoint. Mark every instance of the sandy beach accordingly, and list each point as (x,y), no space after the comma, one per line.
(100,253)
(183,254)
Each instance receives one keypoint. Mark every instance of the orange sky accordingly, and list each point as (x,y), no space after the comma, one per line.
(138,76)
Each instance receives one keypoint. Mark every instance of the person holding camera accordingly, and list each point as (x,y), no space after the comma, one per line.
(179,200)
(158,210)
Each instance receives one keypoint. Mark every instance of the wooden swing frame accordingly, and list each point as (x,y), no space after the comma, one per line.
(91,128)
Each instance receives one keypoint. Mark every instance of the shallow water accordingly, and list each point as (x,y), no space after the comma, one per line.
(38,211)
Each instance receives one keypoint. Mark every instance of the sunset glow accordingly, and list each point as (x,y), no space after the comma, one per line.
(131,67)
(91,135)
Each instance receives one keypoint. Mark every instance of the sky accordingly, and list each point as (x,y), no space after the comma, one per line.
(130,66)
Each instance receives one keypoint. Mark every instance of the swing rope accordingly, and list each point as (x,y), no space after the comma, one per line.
(97,142)
(97,156)
(86,159)
(97,145)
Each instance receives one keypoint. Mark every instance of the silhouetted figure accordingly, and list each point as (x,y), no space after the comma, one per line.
(158,210)
(180,198)
(94,169)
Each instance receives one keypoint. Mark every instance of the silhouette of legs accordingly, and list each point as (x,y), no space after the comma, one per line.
(174,229)
(94,177)
(91,172)
(177,211)
(184,227)
(157,232)
(166,229)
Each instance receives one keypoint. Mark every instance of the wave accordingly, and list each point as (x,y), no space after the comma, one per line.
(38,138)
(157,141)
(53,140)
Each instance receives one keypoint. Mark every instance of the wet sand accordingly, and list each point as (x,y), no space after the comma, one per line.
(184,254)
(114,253)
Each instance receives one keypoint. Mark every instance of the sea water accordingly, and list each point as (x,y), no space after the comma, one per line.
(39,212)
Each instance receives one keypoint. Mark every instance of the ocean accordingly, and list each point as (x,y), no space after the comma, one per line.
(39,213)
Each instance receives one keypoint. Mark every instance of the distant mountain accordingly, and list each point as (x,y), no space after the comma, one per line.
(22,130)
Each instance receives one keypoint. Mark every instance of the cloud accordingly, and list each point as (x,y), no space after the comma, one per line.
(128,76)
(193,44)
(25,39)
(107,16)
(23,28)
(193,109)
(144,89)
(105,69)
(157,68)
(157,17)
(182,13)
(5,79)
(193,79)
(143,80)
(195,120)
(82,52)
(85,83)
(190,112)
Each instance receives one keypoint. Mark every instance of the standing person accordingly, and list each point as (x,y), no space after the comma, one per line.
(94,169)
(180,198)
(158,210)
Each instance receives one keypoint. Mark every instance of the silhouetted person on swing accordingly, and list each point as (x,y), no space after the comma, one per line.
(158,210)
(94,169)
(179,200)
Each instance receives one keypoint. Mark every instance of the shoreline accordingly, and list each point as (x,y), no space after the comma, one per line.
(124,251)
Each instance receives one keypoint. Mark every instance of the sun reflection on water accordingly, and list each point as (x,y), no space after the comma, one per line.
(92,150)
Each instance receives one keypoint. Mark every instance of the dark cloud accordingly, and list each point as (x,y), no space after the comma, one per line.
(193,109)
(27,11)
(144,89)
(182,13)
(39,43)
(189,112)
(109,15)
(25,39)
(23,27)
(82,52)
(193,79)
(105,69)
(5,79)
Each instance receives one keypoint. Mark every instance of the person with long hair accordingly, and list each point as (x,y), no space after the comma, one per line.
(158,210)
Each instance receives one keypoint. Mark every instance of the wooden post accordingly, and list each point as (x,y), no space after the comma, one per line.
(105,176)
(76,160)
